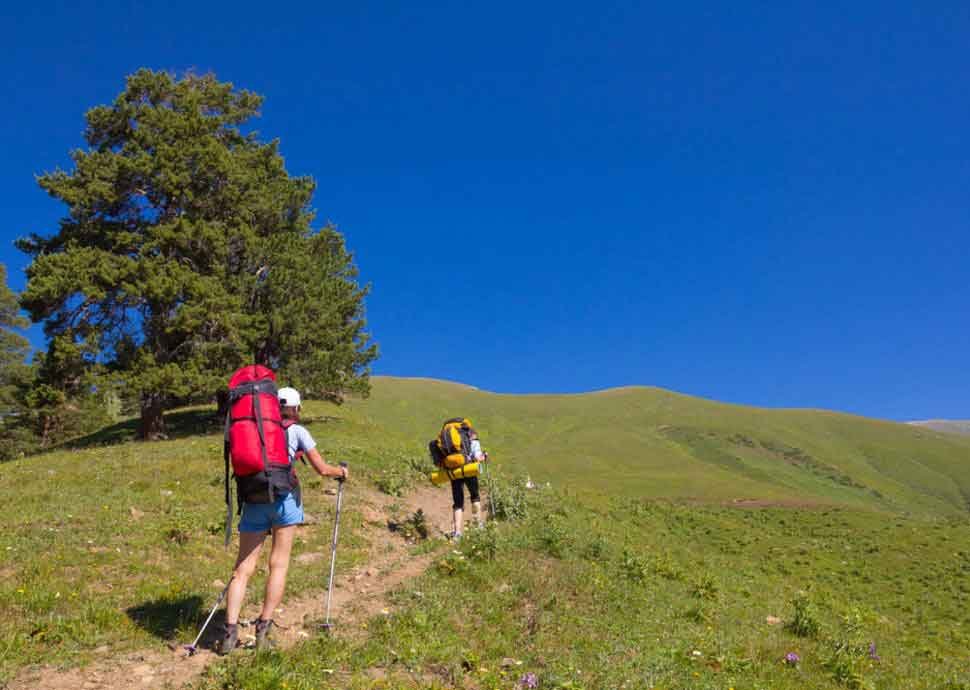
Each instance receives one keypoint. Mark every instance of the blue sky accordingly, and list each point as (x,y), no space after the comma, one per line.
(755,203)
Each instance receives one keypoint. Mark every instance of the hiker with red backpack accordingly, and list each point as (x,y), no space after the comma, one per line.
(263,440)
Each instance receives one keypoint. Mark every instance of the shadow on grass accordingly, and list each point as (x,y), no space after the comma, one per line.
(179,424)
(164,618)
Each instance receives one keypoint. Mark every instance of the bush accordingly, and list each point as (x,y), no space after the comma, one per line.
(415,528)
(454,563)
(508,497)
(633,567)
(705,587)
(481,544)
(665,566)
(399,472)
(553,538)
(804,622)
(595,549)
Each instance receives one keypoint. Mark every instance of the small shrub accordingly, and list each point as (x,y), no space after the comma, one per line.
(508,497)
(481,544)
(399,472)
(454,563)
(665,566)
(700,614)
(393,483)
(850,651)
(595,549)
(804,622)
(705,587)
(633,567)
(415,528)
(553,537)
(178,527)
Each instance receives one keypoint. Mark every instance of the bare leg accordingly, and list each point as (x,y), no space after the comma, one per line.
(250,544)
(477,513)
(279,563)
(458,520)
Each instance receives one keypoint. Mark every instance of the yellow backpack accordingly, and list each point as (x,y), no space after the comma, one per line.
(453,446)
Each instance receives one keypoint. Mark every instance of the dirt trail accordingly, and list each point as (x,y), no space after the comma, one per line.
(358,594)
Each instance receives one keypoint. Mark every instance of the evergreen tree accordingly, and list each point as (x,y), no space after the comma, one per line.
(14,348)
(164,275)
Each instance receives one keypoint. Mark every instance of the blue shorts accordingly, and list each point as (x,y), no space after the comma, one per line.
(261,517)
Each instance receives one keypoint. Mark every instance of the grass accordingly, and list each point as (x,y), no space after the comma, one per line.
(121,545)
(645,594)
(650,442)
(636,569)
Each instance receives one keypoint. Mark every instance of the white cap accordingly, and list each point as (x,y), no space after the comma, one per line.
(288,397)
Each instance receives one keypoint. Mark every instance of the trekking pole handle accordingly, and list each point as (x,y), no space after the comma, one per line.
(344,478)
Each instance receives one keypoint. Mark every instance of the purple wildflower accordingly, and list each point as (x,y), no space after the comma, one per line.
(792,658)
(872,652)
(529,680)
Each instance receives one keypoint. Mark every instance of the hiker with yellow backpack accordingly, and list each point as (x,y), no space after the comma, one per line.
(457,451)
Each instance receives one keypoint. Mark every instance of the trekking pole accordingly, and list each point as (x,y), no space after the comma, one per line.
(488,485)
(328,626)
(193,648)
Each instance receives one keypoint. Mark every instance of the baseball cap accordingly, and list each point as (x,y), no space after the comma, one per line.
(288,397)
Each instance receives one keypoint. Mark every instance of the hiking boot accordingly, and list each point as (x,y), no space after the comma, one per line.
(455,536)
(262,634)
(228,641)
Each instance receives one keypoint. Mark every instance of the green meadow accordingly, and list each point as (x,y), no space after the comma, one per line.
(653,443)
(680,543)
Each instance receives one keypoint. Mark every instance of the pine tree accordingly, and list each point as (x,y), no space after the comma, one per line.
(14,348)
(180,228)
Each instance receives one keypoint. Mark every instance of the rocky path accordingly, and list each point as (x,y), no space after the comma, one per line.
(358,594)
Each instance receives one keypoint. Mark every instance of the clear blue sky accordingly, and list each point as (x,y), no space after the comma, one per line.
(757,203)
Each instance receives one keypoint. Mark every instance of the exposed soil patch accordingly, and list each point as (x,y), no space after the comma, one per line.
(358,594)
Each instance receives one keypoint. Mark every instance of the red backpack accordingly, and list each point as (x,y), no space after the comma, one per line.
(255,442)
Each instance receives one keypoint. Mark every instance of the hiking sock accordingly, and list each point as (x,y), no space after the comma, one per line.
(228,641)
(262,633)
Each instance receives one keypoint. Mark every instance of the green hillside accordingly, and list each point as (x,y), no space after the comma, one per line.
(113,551)
(655,443)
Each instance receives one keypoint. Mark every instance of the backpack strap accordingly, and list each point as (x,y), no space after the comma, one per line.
(299,455)
(225,455)
(257,408)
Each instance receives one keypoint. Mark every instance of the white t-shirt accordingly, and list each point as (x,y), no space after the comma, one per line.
(477,454)
(297,439)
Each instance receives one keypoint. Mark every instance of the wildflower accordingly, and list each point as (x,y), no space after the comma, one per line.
(792,659)
(872,652)
(529,680)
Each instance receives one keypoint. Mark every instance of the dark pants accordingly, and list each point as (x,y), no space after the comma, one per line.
(458,495)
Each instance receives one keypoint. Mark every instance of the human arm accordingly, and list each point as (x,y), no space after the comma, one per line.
(323,469)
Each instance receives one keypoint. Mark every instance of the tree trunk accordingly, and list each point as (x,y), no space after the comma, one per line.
(152,425)
(222,403)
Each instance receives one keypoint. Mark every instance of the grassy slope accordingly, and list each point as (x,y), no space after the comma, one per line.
(605,593)
(655,443)
(79,568)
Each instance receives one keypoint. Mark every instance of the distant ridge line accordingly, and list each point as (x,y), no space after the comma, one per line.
(947,426)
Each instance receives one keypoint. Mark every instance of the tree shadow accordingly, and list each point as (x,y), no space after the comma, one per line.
(179,424)
(164,618)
